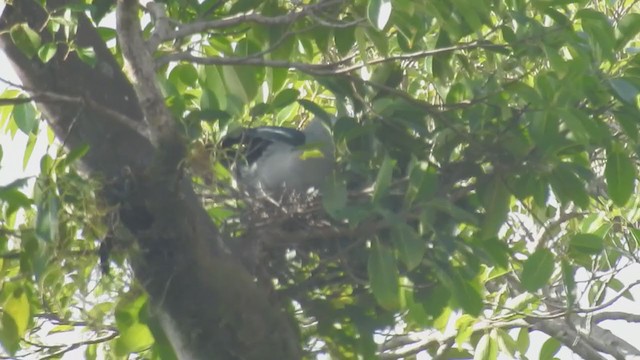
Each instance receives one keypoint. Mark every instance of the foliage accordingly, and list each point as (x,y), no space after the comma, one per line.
(487,166)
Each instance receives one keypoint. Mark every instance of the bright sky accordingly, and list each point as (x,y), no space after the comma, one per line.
(11,165)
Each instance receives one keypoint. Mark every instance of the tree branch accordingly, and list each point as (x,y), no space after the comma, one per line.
(140,67)
(161,24)
(46,96)
(185,30)
(438,340)
(335,68)
(610,301)
(605,341)
(212,304)
(558,329)
(67,348)
(615,315)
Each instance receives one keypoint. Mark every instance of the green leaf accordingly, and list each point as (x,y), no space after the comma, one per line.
(574,123)
(597,25)
(87,55)
(568,187)
(379,12)
(74,155)
(234,84)
(15,317)
(410,246)
(568,278)
(628,28)
(107,33)
(161,345)
(322,39)
(487,349)
(133,338)
(245,79)
(362,43)
(544,128)
(334,197)
(627,116)
(314,109)
(434,301)
(620,173)
(415,312)
(456,212)
(379,40)
(24,116)
(344,39)
(549,349)
(497,250)
(464,327)
(278,77)
(7,111)
(129,309)
(47,219)
(466,291)
(423,183)
(521,302)
(27,40)
(383,180)
(91,352)
(47,52)
(537,270)
(260,109)
(625,89)
(383,276)
(17,307)
(469,14)
(186,73)
(586,243)
(617,286)
(466,296)
(9,336)
(46,162)
(12,196)
(28,151)
(506,344)
(61,328)
(495,200)
(312,154)
(285,97)
(522,342)
(213,81)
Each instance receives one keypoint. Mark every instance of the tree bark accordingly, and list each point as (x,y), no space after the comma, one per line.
(215,308)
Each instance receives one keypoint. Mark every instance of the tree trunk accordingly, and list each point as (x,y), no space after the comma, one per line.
(214,307)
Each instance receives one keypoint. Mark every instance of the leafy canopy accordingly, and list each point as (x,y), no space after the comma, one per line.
(487,157)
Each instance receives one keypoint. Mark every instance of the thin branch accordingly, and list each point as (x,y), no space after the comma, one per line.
(74,346)
(611,301)
(616,315)
(312,69)
(15,101)
(203,26)
(558,330)
(46,96)
(445,339)
(11,255)
(335,68)
(139,63)
(161,24)
(425,53)
(605,341)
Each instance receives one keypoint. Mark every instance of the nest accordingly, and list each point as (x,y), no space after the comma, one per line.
(273,238)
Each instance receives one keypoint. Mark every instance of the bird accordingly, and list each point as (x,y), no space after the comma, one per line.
(276,160)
